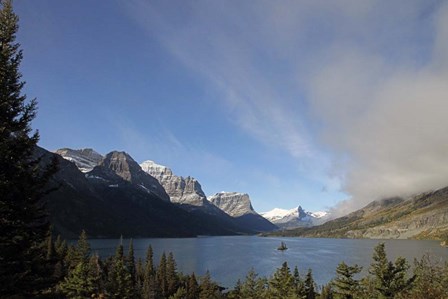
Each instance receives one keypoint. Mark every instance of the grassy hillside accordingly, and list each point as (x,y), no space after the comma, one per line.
(424,216)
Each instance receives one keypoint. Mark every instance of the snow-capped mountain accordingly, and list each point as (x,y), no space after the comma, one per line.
(85,159)
(296,217)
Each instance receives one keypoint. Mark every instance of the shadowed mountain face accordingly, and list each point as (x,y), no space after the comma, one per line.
(124,166)
(117,198)
(421,216)
(230,207)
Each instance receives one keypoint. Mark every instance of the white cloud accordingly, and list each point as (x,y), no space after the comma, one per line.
(370,76)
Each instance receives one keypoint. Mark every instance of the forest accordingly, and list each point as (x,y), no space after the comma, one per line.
(77,272)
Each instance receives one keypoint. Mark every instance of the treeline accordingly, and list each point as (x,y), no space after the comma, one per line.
(80,274)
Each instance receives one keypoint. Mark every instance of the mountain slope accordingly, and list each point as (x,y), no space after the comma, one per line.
(106,205)
(85,159)
(421,216)
(239,206)
(188,193)
(181,190)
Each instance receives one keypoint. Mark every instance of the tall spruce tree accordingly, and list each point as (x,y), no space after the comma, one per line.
(345,285)
(282,283)
(390,279)
(23,223)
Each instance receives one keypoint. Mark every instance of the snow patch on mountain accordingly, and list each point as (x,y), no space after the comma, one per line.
(85,159)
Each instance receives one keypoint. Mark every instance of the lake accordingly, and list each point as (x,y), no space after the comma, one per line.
(229,258)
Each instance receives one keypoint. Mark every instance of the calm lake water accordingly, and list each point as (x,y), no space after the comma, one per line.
(230,258)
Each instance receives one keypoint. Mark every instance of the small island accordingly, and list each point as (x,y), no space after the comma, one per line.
(282,246)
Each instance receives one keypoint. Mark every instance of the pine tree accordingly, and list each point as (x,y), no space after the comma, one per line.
(130,261)
(23,223)
(208,289)
(327,292)
(162,285)
(149,279)
(390,279)
(192,287)
(431,280)
(251,288)
(344,283)
(282,283)
(310,285)
(120,284)
(172,279)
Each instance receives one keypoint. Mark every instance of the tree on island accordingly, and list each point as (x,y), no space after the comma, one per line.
(23,223)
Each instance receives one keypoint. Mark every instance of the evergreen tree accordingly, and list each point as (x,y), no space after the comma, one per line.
(390,279)
(139,276)
(251,287)
(299,284)
(208,289)
(23,223)
(180,293)
(310,285)
(149,278)
(120,284)
(84,281)
(192,287)
(130,261)
(162,285)
(172,279)
(345,285)
(282,283)
(327,292)
(431,279)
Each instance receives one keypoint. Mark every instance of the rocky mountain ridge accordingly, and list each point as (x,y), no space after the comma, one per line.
(183,190)
(235,204)
(85,159)
(118,180)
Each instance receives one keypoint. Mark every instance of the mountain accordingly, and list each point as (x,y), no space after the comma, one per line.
(115,198)
(239,206)
(85,159)
(294,218)
(422,216)
(125,167)
(181,190)
(188,193)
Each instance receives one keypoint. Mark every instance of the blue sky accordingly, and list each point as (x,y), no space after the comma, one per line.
(311,103)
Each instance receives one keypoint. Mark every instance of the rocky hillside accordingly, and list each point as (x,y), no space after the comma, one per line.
(233,203)
(239,206)
(85,159)
(234,208)
(423,216)
(180,189)
(123,165)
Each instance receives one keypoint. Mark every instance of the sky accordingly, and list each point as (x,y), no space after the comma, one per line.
(323,104)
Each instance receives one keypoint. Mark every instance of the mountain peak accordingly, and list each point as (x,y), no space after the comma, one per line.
(233,203)
(85,159)
(296,217)
(180,189)
(126,167)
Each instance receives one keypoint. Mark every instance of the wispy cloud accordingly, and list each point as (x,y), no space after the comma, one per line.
(222,51)
(369,77)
